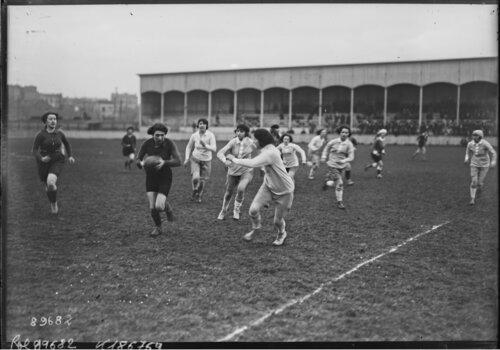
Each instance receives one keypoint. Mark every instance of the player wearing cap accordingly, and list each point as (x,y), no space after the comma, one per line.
(478,152)
(202,144)
(377,152)
(277,187)
(314,149)
(288,151)
(337,154)
(238,176)
(159,177)
(50,148)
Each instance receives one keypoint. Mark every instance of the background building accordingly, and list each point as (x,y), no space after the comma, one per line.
(444,96)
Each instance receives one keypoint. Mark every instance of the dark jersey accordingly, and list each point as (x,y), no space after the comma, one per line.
(276,137)
(353,141)
(49,144)
(165,150)
(422,140)
(129,142)
(379,145)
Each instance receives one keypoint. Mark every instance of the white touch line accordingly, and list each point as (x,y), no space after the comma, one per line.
(292,302)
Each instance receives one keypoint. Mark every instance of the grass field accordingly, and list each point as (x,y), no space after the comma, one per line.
(200,281)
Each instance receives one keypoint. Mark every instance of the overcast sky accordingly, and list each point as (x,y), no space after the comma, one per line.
(88,51)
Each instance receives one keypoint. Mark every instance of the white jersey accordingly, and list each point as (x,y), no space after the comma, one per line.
(314,146)
(289,154)
(276,178)
(200,152)
(480,153)
(339,153)
(241,149)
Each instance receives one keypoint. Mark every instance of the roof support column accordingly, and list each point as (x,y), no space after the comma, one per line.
(261,118)
(351,112)
(140,111)
(185,109)
(458,104)
(209,108)
(162,107)
(235,108)
(320,109)
(290,100)
(420,104)
(385,106)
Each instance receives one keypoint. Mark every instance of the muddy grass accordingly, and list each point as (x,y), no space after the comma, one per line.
(200,281)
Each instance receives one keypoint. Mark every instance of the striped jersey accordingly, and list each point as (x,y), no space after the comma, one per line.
(480,153)
(200,152)
(289,154)
(314,146)
(241,149)
(276,178)
(336,150)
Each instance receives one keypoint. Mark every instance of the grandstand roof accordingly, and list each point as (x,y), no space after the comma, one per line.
(318,66)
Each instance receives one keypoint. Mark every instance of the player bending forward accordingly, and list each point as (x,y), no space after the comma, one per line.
(478,152)
(277,187)
(340,152)
(238,176)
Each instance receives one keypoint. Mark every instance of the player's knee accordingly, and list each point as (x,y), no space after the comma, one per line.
(339,186)
(474,183)
(160,206)
(253,211)
(240,193)
(51,183)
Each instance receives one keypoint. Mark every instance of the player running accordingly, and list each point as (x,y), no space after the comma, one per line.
(422,141)
(377,152)
(348,167)
(238,176)
(314,149)
(128,147)
(277,187)
(159,177)
(339,151)
(478,152)
(50,156)
(288,151)
(202,144)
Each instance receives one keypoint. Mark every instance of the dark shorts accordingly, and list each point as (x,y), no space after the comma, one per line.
(159,181)
(376,157)
(54,166)
(126,151)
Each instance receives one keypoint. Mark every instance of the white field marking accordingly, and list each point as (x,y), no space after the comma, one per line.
(292,302)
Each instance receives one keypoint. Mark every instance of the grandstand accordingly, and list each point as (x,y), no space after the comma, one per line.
(447,97)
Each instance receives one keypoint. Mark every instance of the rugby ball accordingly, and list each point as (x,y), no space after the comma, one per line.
(151,161)
(330,183)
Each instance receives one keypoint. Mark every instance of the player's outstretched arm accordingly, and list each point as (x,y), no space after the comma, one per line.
(222,152)
(301,152)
